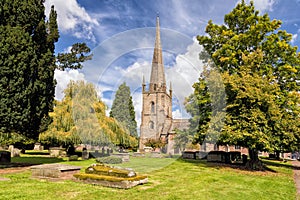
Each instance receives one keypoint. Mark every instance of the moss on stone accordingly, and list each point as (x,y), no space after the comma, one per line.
(84,176)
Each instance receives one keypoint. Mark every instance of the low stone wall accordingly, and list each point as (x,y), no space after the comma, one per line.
(194,155)
(225,157)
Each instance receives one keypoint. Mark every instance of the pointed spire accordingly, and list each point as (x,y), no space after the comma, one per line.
(157,79)
(143,84)
(171,90)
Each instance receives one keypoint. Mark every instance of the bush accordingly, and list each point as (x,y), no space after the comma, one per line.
(73,158)
(109,160)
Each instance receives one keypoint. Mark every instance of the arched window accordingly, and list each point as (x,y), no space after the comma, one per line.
(163,100)
(152,107)
(155,86)
(151,124)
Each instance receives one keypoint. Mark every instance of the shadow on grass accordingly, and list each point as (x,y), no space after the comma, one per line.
(268,164)
(280,164)
(29,161)
(37,153)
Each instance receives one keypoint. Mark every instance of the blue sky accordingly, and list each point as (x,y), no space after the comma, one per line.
(121,35)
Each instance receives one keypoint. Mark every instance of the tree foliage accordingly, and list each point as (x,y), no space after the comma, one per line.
(27,64)
(80,118)
(260,69)
(123,110)
(155,143)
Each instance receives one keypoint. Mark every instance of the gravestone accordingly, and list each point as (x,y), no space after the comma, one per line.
(138,154)
(155,154)
(124,156)
(5,157)
(189,155)
(57,152)
(38,147)
(54,171)
(14,152)
(85,154)
(217,156)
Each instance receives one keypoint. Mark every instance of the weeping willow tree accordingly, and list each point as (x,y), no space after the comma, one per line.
(80,119)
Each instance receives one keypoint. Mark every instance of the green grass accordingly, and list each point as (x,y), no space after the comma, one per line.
(168,179)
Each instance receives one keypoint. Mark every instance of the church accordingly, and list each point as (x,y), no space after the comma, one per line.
(156,118)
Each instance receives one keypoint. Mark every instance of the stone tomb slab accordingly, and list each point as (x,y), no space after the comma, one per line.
(54,171)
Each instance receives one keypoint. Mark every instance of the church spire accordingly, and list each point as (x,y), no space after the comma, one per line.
(157,79)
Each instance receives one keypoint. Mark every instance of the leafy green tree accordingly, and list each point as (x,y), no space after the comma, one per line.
(80,118)
(260,70)
(183,139)
(27,64)
(206,106)
(155,143)
(123,110)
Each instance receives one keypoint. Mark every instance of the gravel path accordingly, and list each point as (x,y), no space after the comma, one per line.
(296,172)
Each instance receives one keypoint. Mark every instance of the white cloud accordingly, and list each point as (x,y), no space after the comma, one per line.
(264,5)
(185,72)
(73,18)
(177,114)
(294,38)
(63,78)
(180,52)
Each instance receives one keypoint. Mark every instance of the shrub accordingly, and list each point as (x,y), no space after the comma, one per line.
(109,160)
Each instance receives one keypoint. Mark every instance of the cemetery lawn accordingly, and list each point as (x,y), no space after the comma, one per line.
(168,179)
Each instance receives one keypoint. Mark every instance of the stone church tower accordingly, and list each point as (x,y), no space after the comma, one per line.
(157,101)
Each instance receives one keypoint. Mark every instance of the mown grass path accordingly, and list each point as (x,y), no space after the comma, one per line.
(296,174)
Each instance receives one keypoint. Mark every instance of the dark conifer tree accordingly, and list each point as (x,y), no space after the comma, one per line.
(27,64)
(123,109)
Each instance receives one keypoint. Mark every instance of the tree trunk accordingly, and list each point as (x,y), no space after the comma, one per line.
(254,163)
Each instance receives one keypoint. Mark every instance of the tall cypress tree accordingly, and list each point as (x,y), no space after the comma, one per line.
(123,109)
(27,64)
